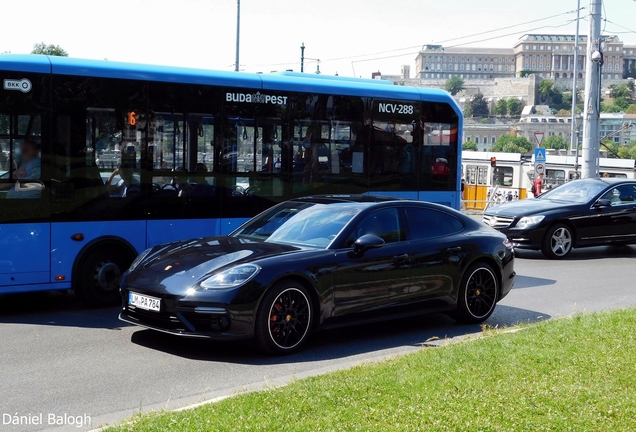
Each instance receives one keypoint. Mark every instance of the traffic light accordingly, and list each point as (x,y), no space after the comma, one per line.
(493,162)
(132,120)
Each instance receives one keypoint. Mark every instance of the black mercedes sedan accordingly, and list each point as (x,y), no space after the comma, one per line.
(587,212)
(320,262)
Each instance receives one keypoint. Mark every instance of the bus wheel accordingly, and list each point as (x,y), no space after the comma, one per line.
(99,274)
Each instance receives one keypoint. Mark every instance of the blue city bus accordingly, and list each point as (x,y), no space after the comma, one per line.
(100,160)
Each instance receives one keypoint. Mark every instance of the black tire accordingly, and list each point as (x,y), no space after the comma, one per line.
(558,241)
(478,294)
(99,274)
(284,318)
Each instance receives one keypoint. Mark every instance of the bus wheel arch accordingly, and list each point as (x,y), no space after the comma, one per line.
(98,268)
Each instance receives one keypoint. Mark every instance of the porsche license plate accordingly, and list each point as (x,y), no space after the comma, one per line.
(144,302)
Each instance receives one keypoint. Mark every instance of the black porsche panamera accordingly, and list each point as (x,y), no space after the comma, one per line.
(320,262)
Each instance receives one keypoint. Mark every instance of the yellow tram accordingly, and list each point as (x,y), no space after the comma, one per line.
(492,178)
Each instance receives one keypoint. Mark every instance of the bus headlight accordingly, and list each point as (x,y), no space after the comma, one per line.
(529,221)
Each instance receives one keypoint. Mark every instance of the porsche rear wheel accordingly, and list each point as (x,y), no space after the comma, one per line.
(284,318)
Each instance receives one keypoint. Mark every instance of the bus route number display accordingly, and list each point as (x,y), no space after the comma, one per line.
(395,108)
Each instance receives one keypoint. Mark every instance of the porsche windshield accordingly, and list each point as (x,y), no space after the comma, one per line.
(302,224)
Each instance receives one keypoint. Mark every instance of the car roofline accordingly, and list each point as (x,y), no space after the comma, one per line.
(347,198)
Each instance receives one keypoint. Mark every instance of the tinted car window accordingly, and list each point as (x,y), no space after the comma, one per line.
(621,195)
(384,223)
(427,223)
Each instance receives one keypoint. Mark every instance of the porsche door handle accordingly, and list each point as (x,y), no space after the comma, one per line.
(401,257)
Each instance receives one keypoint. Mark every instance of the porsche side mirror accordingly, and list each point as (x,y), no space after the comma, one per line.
(601,202)
(366,242)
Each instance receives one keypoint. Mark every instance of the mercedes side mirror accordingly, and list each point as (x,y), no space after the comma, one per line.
(602,202)
(366,242)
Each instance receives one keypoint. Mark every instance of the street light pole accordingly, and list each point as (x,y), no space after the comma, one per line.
(574,143)
(238,33)
(302,57)
(591,115)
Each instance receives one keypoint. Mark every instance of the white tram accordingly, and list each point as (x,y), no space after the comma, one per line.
(514,173)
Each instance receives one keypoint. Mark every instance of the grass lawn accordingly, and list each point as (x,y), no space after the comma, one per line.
(571,374)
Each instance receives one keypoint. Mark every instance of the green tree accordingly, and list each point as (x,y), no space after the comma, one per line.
(631,109)
(622,103)
(501,108)
(469,145)
(555,142)
(479,106)
(630,85)
(514,107)
(454,85)
(564,113)
(52,50)
(512,144)
(545,89)
(621,91)
(623,152)
(610,108)
(610,147)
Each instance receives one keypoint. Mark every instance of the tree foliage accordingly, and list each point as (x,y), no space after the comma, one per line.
(454,85)
(514,107)
(501,108)
(469,145)
(549,93)
(564,113)
(555,142)
(621,91)
(52,50)
(615,150)
(479,106)
(512,144)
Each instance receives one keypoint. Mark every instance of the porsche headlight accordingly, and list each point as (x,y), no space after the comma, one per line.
(232,277)
(139,259)
(529,221)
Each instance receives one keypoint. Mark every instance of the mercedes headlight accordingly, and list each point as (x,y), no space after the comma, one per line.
(139,259)
(232,277)
(529,221)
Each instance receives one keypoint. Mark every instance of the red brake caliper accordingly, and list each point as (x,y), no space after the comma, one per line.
(273,318)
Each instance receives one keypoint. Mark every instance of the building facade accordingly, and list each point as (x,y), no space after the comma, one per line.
(485,135)
(435,61)
(548,56)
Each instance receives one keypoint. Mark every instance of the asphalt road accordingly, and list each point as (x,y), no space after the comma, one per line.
(59,357)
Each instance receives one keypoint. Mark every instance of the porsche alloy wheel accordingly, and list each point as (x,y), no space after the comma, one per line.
(284,319)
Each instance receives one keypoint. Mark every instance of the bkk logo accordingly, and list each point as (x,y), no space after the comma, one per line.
(23,85)
(257,98)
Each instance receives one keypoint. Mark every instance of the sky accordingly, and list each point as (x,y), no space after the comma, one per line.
(350,37)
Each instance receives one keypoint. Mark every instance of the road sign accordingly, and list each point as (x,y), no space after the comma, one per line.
(539,155)
(539,168)
(538,136)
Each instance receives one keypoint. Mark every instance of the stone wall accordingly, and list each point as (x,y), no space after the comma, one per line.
(526,89)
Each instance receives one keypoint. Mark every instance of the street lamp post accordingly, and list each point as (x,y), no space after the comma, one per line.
(238,33)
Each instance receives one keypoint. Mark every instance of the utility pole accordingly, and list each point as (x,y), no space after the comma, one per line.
(574,144)
(238,33)
(302,57)
(591,115)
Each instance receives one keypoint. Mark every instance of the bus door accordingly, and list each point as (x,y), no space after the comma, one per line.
(250,159)
(25,228)
(200,191)
(180,160)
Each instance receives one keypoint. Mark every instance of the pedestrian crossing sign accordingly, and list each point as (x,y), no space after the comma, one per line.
(539,155)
